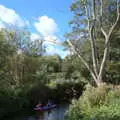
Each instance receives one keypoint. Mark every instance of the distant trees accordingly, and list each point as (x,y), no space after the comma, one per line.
(23,62)
(18,57)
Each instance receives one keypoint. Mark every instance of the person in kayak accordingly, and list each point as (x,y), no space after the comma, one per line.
(40,104)
(49,103)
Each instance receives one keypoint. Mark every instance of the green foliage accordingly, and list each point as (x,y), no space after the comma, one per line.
(63,92)
(68,90)
(12,101)
(102,103)
(27,77)
(79,36)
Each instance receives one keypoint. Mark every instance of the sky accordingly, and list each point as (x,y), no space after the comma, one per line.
(46,19)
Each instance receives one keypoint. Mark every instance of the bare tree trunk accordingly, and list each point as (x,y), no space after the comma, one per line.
(97,73)
(91,34)
(93,48)
(93,44)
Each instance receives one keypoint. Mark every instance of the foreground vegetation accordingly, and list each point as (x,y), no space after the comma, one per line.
(101,103)
(96,22)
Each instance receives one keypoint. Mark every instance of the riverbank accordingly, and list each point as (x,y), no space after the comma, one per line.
(101,103)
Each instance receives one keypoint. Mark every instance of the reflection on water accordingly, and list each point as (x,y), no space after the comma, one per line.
(55,114)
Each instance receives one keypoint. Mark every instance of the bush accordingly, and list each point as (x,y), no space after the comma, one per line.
(8,102)
(39,93)
(64,92)
(102,103)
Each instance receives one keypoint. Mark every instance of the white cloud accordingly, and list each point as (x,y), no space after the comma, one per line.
(2,25)
(34,36)
(10,17)
(46,26)
(51,50)
(26,22)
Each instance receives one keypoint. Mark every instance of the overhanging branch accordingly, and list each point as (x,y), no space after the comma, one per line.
(83,60)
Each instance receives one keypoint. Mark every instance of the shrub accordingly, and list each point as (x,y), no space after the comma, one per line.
(102,103)
(67,91)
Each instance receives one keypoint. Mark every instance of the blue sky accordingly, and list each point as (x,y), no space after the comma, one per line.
(35,12)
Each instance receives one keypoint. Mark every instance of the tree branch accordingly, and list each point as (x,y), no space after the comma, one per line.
(92,38)
(94,54)
(104,33)
(101,8)
(91,33)
(83,60)
(107,42)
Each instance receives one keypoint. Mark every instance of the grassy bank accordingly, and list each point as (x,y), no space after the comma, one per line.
(102,103)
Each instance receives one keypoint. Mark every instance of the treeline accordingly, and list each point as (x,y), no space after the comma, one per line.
(28,76)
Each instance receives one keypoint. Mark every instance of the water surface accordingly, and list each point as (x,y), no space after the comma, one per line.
(55,114)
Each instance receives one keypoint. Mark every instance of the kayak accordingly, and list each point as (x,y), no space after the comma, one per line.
(45,108)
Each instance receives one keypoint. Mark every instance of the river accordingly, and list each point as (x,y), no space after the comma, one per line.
(57,113)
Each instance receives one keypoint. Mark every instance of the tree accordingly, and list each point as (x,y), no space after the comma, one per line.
(19,57)
(92,22)
(6,51)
